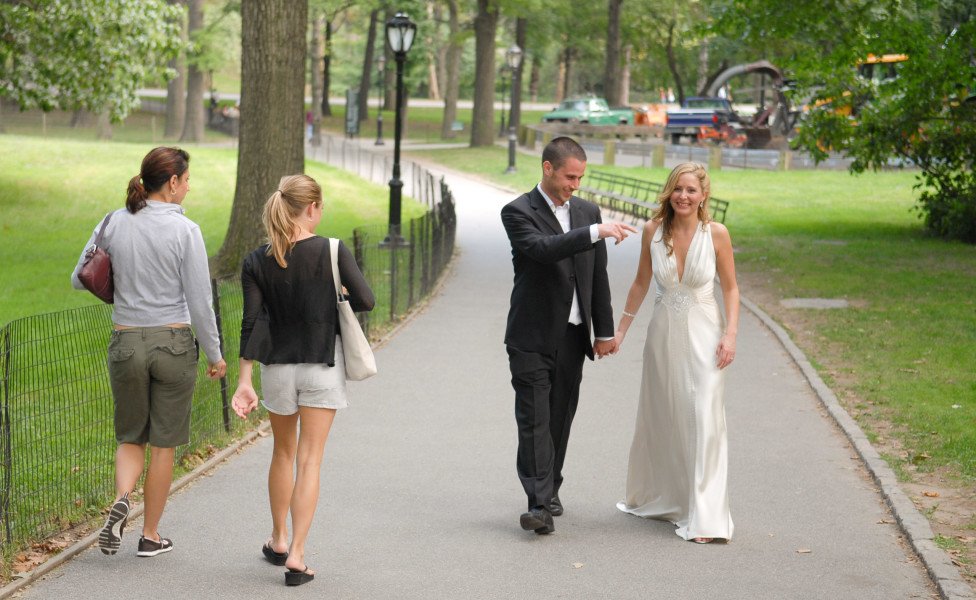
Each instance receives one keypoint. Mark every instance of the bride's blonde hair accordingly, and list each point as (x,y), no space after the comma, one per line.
(282,210)
(665,212)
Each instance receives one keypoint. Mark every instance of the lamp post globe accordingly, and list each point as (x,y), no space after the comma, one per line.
(514,58)
(400,33)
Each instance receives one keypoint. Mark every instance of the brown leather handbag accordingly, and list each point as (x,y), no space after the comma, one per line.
(96,272)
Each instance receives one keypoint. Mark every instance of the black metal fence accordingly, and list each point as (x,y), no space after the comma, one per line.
(56,436)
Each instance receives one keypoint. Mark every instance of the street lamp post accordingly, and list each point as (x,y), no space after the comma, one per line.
(514,57)
(502,72)
(400,31)
(380,63)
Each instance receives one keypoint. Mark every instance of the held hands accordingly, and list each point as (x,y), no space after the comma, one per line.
(604,347)
(616,230)
(217,370)
(726,350)
(245,400)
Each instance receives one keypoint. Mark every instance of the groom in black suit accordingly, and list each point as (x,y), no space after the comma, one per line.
(561,289)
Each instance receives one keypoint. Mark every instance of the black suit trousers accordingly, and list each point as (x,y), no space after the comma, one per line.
(546,397)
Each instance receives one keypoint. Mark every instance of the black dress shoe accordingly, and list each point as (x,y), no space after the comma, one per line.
(555,506)
(539,520)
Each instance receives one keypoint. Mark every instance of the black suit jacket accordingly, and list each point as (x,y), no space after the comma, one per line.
(549,266)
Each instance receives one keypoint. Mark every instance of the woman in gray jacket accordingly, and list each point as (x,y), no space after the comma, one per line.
(162,286)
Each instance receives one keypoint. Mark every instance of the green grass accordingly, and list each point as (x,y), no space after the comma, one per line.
(54,192)
(907,346)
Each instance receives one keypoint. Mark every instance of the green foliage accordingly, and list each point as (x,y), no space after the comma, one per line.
(218,42)
(921,117)
(94,55)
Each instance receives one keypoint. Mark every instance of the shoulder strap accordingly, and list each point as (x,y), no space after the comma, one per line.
(334,253)
(98,237)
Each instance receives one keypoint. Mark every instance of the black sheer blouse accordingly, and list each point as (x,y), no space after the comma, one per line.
(290,315)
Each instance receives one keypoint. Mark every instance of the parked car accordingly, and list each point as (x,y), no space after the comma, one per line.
(590,110)
(696,113)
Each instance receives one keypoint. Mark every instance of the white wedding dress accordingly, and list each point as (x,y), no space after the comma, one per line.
(678,467)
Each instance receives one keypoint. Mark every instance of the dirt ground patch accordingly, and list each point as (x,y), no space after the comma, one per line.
(936,491)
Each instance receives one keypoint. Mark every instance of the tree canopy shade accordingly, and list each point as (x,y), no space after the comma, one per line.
(93,54)
(920,110)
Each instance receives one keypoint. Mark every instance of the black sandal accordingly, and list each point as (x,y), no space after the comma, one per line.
(276,558)
(296,577)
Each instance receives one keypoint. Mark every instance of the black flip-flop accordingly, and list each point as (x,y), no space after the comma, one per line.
(276,558)
(296,577)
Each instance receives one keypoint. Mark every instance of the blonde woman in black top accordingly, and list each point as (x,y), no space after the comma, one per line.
(290,326)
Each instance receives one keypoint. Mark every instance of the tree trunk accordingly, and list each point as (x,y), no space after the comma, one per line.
(625,76)
(176,91)
(515,111)
(316,54)
(483,114)
(193,124)
(560,91)
(389,74)
(612,88)
(534,78)
(364,80)
(326,75)
(569,59)
(272,119)
(81,118)
(673,64)
(702,66)
(103,126)
(452,80)
(432,49)
(440,55)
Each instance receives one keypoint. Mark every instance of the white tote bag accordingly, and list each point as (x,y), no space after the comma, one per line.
(360,362)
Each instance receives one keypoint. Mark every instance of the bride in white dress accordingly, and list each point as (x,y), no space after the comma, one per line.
(678,467)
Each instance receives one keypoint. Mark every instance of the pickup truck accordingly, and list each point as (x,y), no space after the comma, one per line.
(592,111)
(696,113)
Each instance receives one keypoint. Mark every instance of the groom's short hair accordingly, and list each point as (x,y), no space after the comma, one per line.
(560,149)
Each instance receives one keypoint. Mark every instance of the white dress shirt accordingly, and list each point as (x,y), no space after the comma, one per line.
(562,215)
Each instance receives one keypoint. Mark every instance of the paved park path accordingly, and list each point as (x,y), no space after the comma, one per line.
(420,498)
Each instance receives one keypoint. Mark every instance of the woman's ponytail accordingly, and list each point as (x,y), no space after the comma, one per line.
(282,211)
(135,197)
(279,225)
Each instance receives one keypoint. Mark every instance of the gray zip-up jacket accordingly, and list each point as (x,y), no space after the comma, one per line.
(160,271)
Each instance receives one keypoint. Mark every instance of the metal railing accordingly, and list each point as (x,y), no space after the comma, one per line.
(57,433)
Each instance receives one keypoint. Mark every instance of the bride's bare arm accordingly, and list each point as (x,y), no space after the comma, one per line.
(642,282)
(725,264)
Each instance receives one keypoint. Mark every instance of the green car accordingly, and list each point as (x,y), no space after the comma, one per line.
(592,111)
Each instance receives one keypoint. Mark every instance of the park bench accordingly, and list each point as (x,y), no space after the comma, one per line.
(636,198)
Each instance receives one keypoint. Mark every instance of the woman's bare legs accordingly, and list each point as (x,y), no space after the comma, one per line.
(159,478)
(281,476)
(314,424)
(130,460)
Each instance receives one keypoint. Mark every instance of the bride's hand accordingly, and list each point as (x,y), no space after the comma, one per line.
(726,350)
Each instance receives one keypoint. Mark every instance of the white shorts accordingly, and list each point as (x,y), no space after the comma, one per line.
(286,387)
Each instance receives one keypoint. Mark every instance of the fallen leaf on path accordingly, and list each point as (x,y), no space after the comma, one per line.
(804,551)
(262,433)
(931,494)
(577,565)
(883,522)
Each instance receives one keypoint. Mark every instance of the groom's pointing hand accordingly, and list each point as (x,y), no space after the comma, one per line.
(616,230)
